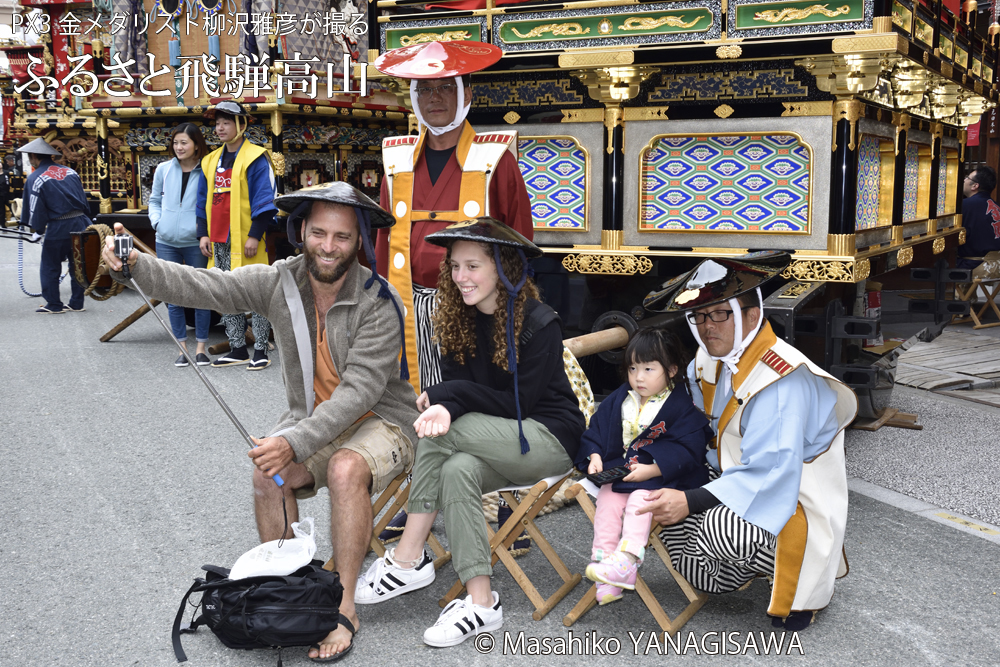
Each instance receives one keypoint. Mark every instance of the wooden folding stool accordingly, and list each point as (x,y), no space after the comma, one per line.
(669,626)
(526,508)
(523,518)
(991,287)
(987,276)
(398,494)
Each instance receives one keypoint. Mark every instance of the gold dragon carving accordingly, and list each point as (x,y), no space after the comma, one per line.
(557,30)
(423,37)
(793,14)
(616,265)
(645,23)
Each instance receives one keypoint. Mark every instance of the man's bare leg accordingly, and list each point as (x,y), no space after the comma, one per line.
(267,501)
(348,478)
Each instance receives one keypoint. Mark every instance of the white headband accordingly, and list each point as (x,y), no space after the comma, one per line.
(739,342)
(460,114)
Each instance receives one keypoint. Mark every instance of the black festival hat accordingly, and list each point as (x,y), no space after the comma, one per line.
(484,230)
(717,280)
(336,192)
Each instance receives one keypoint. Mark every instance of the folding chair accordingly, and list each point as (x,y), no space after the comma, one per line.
(526,506)
(582,491)
(987,276)
(398,494)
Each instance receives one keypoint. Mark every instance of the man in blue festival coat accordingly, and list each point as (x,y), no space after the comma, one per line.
(777,506)
(980,217)
(56,206)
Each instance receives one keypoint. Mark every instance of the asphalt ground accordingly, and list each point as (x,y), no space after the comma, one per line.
(124,477)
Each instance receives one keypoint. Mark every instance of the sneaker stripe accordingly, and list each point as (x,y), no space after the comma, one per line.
(479,621)
(393,579)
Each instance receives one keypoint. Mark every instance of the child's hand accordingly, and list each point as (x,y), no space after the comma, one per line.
(596,464)
(641,472)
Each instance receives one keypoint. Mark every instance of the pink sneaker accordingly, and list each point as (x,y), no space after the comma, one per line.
(615,570)
(607,594)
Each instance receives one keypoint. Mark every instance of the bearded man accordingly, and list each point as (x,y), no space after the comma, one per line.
(349,422)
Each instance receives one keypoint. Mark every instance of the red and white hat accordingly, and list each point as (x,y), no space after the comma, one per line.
(438,60)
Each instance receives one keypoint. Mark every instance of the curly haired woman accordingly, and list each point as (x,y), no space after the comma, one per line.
(504,414)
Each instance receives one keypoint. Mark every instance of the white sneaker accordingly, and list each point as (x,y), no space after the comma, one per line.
(385,579)
(462,619)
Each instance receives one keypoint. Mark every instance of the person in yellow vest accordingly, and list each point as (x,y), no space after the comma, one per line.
(776,505)
(235,208)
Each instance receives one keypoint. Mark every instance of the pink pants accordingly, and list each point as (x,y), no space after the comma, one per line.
(616,525)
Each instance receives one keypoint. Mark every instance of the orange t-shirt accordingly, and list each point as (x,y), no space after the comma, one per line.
(326,379)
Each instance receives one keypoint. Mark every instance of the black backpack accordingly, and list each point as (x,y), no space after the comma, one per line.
(264,612)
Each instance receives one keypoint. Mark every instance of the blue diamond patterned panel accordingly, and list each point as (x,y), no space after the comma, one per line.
(942,186)
(555,173)
(741,182)
(910,182)
(869,178)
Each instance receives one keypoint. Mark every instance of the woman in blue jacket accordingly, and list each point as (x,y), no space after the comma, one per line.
(172,204)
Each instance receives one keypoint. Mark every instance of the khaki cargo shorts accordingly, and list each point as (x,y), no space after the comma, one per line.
(387,451)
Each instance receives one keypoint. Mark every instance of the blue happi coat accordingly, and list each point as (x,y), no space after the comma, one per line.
(53,192)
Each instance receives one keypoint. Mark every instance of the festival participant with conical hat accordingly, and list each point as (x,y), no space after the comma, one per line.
(504,414)
(778,507)
(57,205)
(235,208)
(446,174)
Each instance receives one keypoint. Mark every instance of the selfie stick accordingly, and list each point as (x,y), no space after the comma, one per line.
(191,362)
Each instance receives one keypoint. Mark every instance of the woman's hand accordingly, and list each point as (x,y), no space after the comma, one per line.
(205,246)
(432,422)
(641,472)
(250,247)
(596,464)
(423,402)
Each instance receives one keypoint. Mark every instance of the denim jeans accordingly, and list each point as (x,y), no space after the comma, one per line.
(190,255)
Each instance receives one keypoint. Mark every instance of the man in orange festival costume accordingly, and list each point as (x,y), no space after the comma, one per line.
(776,505)
(445,175)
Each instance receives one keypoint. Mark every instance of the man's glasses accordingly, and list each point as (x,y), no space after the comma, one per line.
(444,90)
(715,316)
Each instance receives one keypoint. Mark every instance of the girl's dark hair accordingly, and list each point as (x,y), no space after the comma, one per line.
(657,345)
(190,129)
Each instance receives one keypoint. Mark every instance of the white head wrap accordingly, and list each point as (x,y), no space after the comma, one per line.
(460,113)
(740,342)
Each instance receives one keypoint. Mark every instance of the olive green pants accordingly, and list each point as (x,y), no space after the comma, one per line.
(479,454)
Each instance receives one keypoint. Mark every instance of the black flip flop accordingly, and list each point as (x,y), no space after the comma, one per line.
(343,620)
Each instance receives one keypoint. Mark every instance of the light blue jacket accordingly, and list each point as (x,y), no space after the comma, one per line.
(174,219)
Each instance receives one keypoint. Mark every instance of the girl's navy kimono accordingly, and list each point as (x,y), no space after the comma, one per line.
(675,440)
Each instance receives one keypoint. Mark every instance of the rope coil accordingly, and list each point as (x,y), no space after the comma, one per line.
(103,231)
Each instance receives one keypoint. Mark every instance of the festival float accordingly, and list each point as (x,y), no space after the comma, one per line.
(651,135)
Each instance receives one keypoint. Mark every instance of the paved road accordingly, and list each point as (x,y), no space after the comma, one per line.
(123,478)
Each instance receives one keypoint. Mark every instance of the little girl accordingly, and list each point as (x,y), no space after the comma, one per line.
(651,425)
